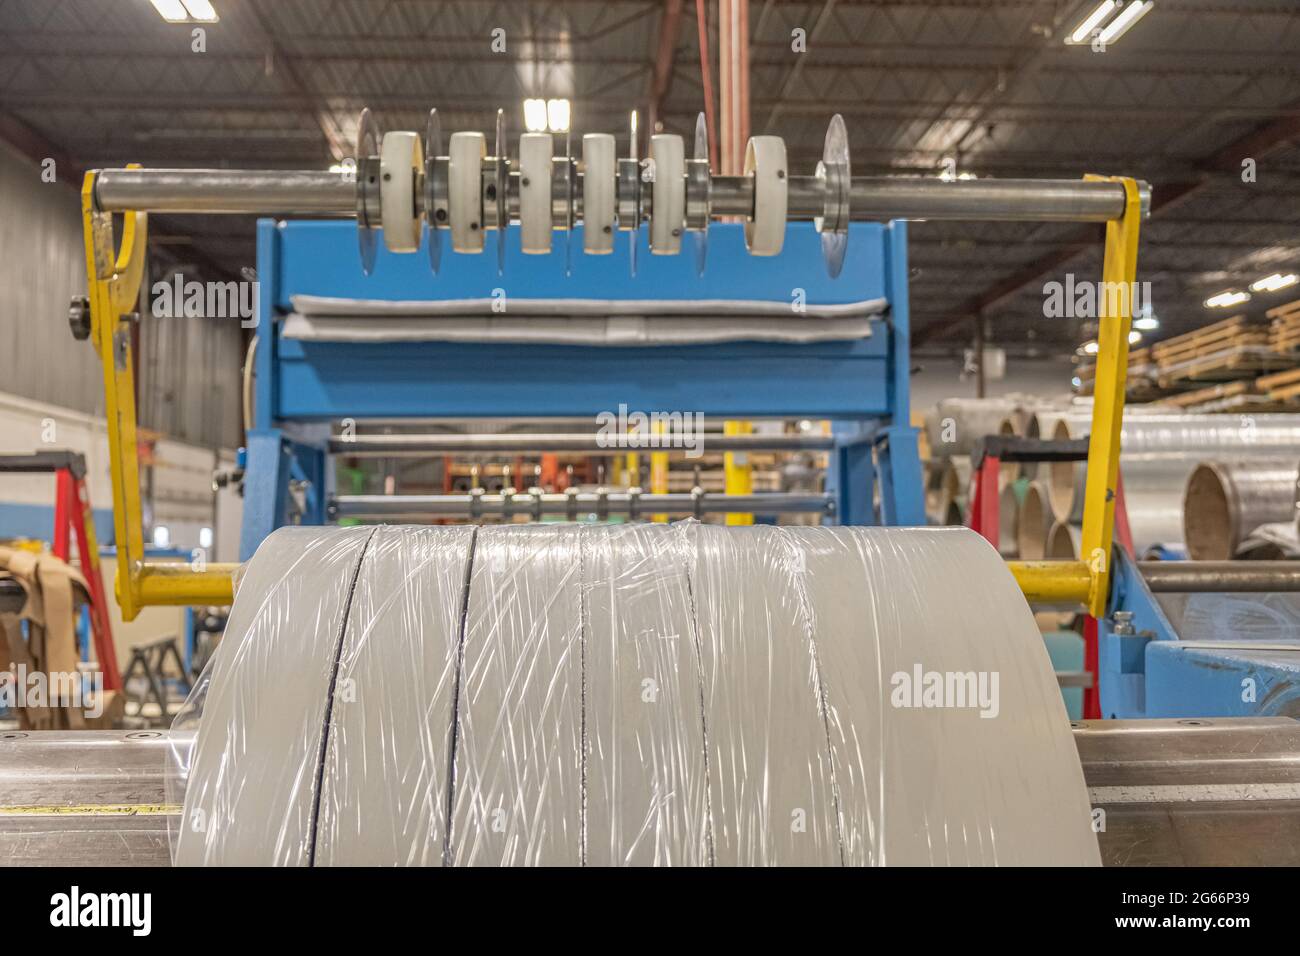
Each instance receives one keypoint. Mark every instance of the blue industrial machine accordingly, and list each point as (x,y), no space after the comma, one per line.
(1201,639)
(862,384)
(1147,668)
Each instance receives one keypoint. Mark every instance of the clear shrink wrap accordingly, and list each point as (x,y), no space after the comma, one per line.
(629,695)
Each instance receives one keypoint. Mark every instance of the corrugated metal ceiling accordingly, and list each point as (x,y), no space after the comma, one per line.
(1194,86)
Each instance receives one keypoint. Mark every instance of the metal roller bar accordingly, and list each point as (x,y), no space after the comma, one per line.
(1009,200)
(227,191)
(871,198)
(400,445)
(573,504)
(1187,577)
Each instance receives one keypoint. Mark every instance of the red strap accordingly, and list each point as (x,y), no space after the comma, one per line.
(984,512)
(105,650)
(1091,695)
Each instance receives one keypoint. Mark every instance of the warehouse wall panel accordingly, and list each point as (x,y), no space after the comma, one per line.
(189,366)
(189,384)
(42,266)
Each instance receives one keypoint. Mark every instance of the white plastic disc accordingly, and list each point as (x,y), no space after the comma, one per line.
(765,161)
(399,159)
(668,212)
(598,180)
(465,197)
(535,151)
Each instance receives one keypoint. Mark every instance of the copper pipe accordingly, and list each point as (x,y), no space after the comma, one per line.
(706,78)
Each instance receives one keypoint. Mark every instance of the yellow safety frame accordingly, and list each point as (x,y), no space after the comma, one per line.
(113,280)
(1088,581)
(114,287)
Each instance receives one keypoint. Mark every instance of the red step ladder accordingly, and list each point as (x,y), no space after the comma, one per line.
(74,516)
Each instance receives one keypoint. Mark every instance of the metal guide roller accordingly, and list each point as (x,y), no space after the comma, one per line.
(668,205)
(600,165)
(401,180)
(464,194)
(765,162)
(535,183)
(400,160)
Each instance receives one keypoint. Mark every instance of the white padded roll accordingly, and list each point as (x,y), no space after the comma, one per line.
(400,157)
(943,600)
(599,176)
(632,695)
(647,789)
(535,151)
(273,678)
(518,788)
(668,212)
(400,647)
(761,699)
(765,161)
(464,190)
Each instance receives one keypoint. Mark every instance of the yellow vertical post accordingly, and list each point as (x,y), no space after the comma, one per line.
(738,472)
(659,473)
(1115,314)
(113,287)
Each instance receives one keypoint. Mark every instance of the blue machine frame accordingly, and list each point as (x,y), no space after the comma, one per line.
(1148,669)
(861,385)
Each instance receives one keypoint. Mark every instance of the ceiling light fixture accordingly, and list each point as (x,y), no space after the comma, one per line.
(541,115)
(1125,15)
(1084,30)
(1275,282)
(186,11)
(1225,300)
(535,116)
(173,11)
(557,115)
(1131,14)
(201,10)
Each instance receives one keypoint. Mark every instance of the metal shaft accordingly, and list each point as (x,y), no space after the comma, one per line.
(1009,200)
(1185,577)
(591,444)
(227,191)
(573,505)
(872,198)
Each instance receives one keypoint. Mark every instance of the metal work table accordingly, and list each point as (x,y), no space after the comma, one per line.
(1175,793)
